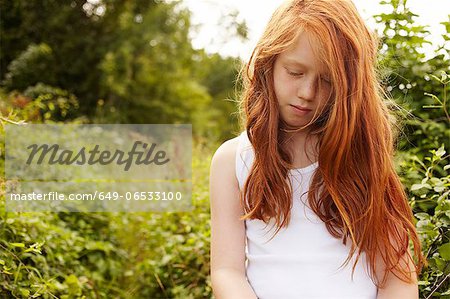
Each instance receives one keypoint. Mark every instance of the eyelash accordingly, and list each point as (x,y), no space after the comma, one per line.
(293,74)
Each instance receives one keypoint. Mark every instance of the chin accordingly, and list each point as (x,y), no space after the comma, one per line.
(296,123)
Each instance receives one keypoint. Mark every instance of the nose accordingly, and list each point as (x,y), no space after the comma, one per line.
(306,89)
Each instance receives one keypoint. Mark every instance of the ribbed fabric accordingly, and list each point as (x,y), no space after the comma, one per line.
(302,261)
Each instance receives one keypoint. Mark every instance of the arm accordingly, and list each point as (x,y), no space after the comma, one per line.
(228,277)
(395,287)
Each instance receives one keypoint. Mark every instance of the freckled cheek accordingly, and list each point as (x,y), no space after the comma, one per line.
(323,97)
(285,90)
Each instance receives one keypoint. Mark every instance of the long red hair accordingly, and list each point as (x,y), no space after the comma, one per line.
(355,190)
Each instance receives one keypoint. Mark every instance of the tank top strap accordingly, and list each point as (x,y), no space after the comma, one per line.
(244,158)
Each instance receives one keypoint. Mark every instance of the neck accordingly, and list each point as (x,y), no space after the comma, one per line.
(302,149)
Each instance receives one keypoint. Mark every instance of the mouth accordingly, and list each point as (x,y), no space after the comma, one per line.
(300,108)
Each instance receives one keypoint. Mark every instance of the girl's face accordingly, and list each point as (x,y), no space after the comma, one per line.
(297,73)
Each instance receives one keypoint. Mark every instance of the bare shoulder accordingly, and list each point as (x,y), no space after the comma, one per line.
(224,158)
(223,181)
(226,151)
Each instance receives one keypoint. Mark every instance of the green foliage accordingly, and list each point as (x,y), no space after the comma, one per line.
(31,67)
(125,61)
(219,75)
(73,36)
(147,66)
(409,76)
(54,103)
(105,255)
(169,253)
(40,103)
(67,263)
(428,183)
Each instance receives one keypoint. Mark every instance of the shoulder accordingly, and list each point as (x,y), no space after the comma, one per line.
(226,152)
(223,163)
(225,156)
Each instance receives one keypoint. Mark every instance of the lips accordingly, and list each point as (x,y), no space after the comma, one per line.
(301,108)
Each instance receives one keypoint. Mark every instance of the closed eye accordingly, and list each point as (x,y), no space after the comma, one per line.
(294,74)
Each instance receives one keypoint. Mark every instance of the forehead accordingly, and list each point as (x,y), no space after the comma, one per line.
(304,52)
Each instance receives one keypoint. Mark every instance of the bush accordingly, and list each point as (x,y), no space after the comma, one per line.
(32,66)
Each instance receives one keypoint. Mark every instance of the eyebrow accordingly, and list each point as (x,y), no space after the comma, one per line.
(297,63)
(301,64)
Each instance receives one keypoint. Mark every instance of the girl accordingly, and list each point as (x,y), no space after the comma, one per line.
(305,203)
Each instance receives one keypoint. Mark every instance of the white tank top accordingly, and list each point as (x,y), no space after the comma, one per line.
(302,261)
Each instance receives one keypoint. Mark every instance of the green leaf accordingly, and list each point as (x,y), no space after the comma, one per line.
(440,152)
(24,292)
(6,271)
(436,181)
(423,283)
(444,251)
(420,186)
(423,216)
(439,189)
(21,245)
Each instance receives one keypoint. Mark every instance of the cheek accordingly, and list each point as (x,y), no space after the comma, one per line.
(284,87)
(277,84)
(324,95)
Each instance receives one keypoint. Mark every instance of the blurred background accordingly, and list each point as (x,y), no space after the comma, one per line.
(176,62)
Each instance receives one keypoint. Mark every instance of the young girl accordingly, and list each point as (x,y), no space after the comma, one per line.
(305,203)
